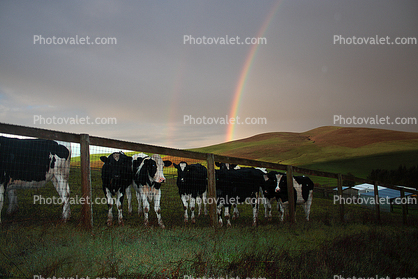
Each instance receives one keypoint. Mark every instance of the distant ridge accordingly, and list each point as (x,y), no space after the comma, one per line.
(318,147)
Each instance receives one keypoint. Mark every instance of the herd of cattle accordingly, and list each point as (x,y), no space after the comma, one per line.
(30,163)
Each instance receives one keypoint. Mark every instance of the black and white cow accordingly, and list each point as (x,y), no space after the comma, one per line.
(238,186)
(228,166)
(276,188)
(31,163)
(116,177)
(148,176)
(267,206)
(192,184)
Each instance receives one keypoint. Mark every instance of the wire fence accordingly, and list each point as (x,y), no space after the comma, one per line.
(87,199)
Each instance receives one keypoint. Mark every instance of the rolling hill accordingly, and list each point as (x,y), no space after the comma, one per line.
(329,148)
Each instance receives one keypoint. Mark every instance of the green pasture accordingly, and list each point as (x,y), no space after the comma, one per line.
(35,242)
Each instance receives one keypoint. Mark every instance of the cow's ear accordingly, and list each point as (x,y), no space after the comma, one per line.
(218,164)
(265,176)
(103,159)
(271,175)
(167,163)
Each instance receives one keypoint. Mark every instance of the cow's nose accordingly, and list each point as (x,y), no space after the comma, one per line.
(161,180)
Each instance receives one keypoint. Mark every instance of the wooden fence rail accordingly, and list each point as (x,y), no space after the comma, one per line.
(86,140)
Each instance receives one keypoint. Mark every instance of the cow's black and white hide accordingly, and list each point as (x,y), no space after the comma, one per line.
(238,186)
(276,188)
(148,176)
(31,163)
(116,177)
(227,167)
(192,185)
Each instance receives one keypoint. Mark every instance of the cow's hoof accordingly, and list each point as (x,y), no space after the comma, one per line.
(109,223)
(186,221)
(162,225)
(193,221)
(121,223)
(146,223)
(254,224)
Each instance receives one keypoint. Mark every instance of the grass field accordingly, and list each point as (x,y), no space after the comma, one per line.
(35,242)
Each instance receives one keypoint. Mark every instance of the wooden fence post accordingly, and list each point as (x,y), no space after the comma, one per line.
(377,200)
(87,210)
(212,190)
(291,194)
(340,193)
(404,207)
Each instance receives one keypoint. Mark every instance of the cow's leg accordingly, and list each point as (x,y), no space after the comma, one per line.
(145,203)
(128,194)
(280,207)
(199,205)
(227,216)
(13,207)
(236,212)
(157,208)
(205,202)
(219,211)
(267,205)
(192,208)
(267,209)
(119,205)
(139,198)
(184,199)
(63,189)
(308,204)
(1,198)
(255,213)
(110,207)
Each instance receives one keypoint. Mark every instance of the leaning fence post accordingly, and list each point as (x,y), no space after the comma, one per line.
(291,194)
(212,190)
(87,210)
(340,193)
(376,197)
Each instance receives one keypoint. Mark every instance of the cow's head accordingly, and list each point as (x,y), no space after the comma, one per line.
(227,166)
(272,184)
(181,171)
(117,170)
(149,170)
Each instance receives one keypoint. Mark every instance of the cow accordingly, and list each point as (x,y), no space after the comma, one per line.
(116,177)
(267,206)
(238,186)
(147,178)
(31,163)
(228,166)
(276,188)
(192,184)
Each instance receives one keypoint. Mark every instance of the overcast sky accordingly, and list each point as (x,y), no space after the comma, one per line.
(149,79)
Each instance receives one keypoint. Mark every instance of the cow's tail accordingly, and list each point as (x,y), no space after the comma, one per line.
(67,164)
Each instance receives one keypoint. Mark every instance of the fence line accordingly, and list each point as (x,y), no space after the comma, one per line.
(85,141)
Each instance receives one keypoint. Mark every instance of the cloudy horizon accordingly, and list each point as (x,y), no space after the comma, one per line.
(159,65)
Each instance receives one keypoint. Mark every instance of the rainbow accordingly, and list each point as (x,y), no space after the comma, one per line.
(245,71)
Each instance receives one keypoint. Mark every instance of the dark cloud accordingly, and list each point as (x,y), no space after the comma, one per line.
(150,79)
